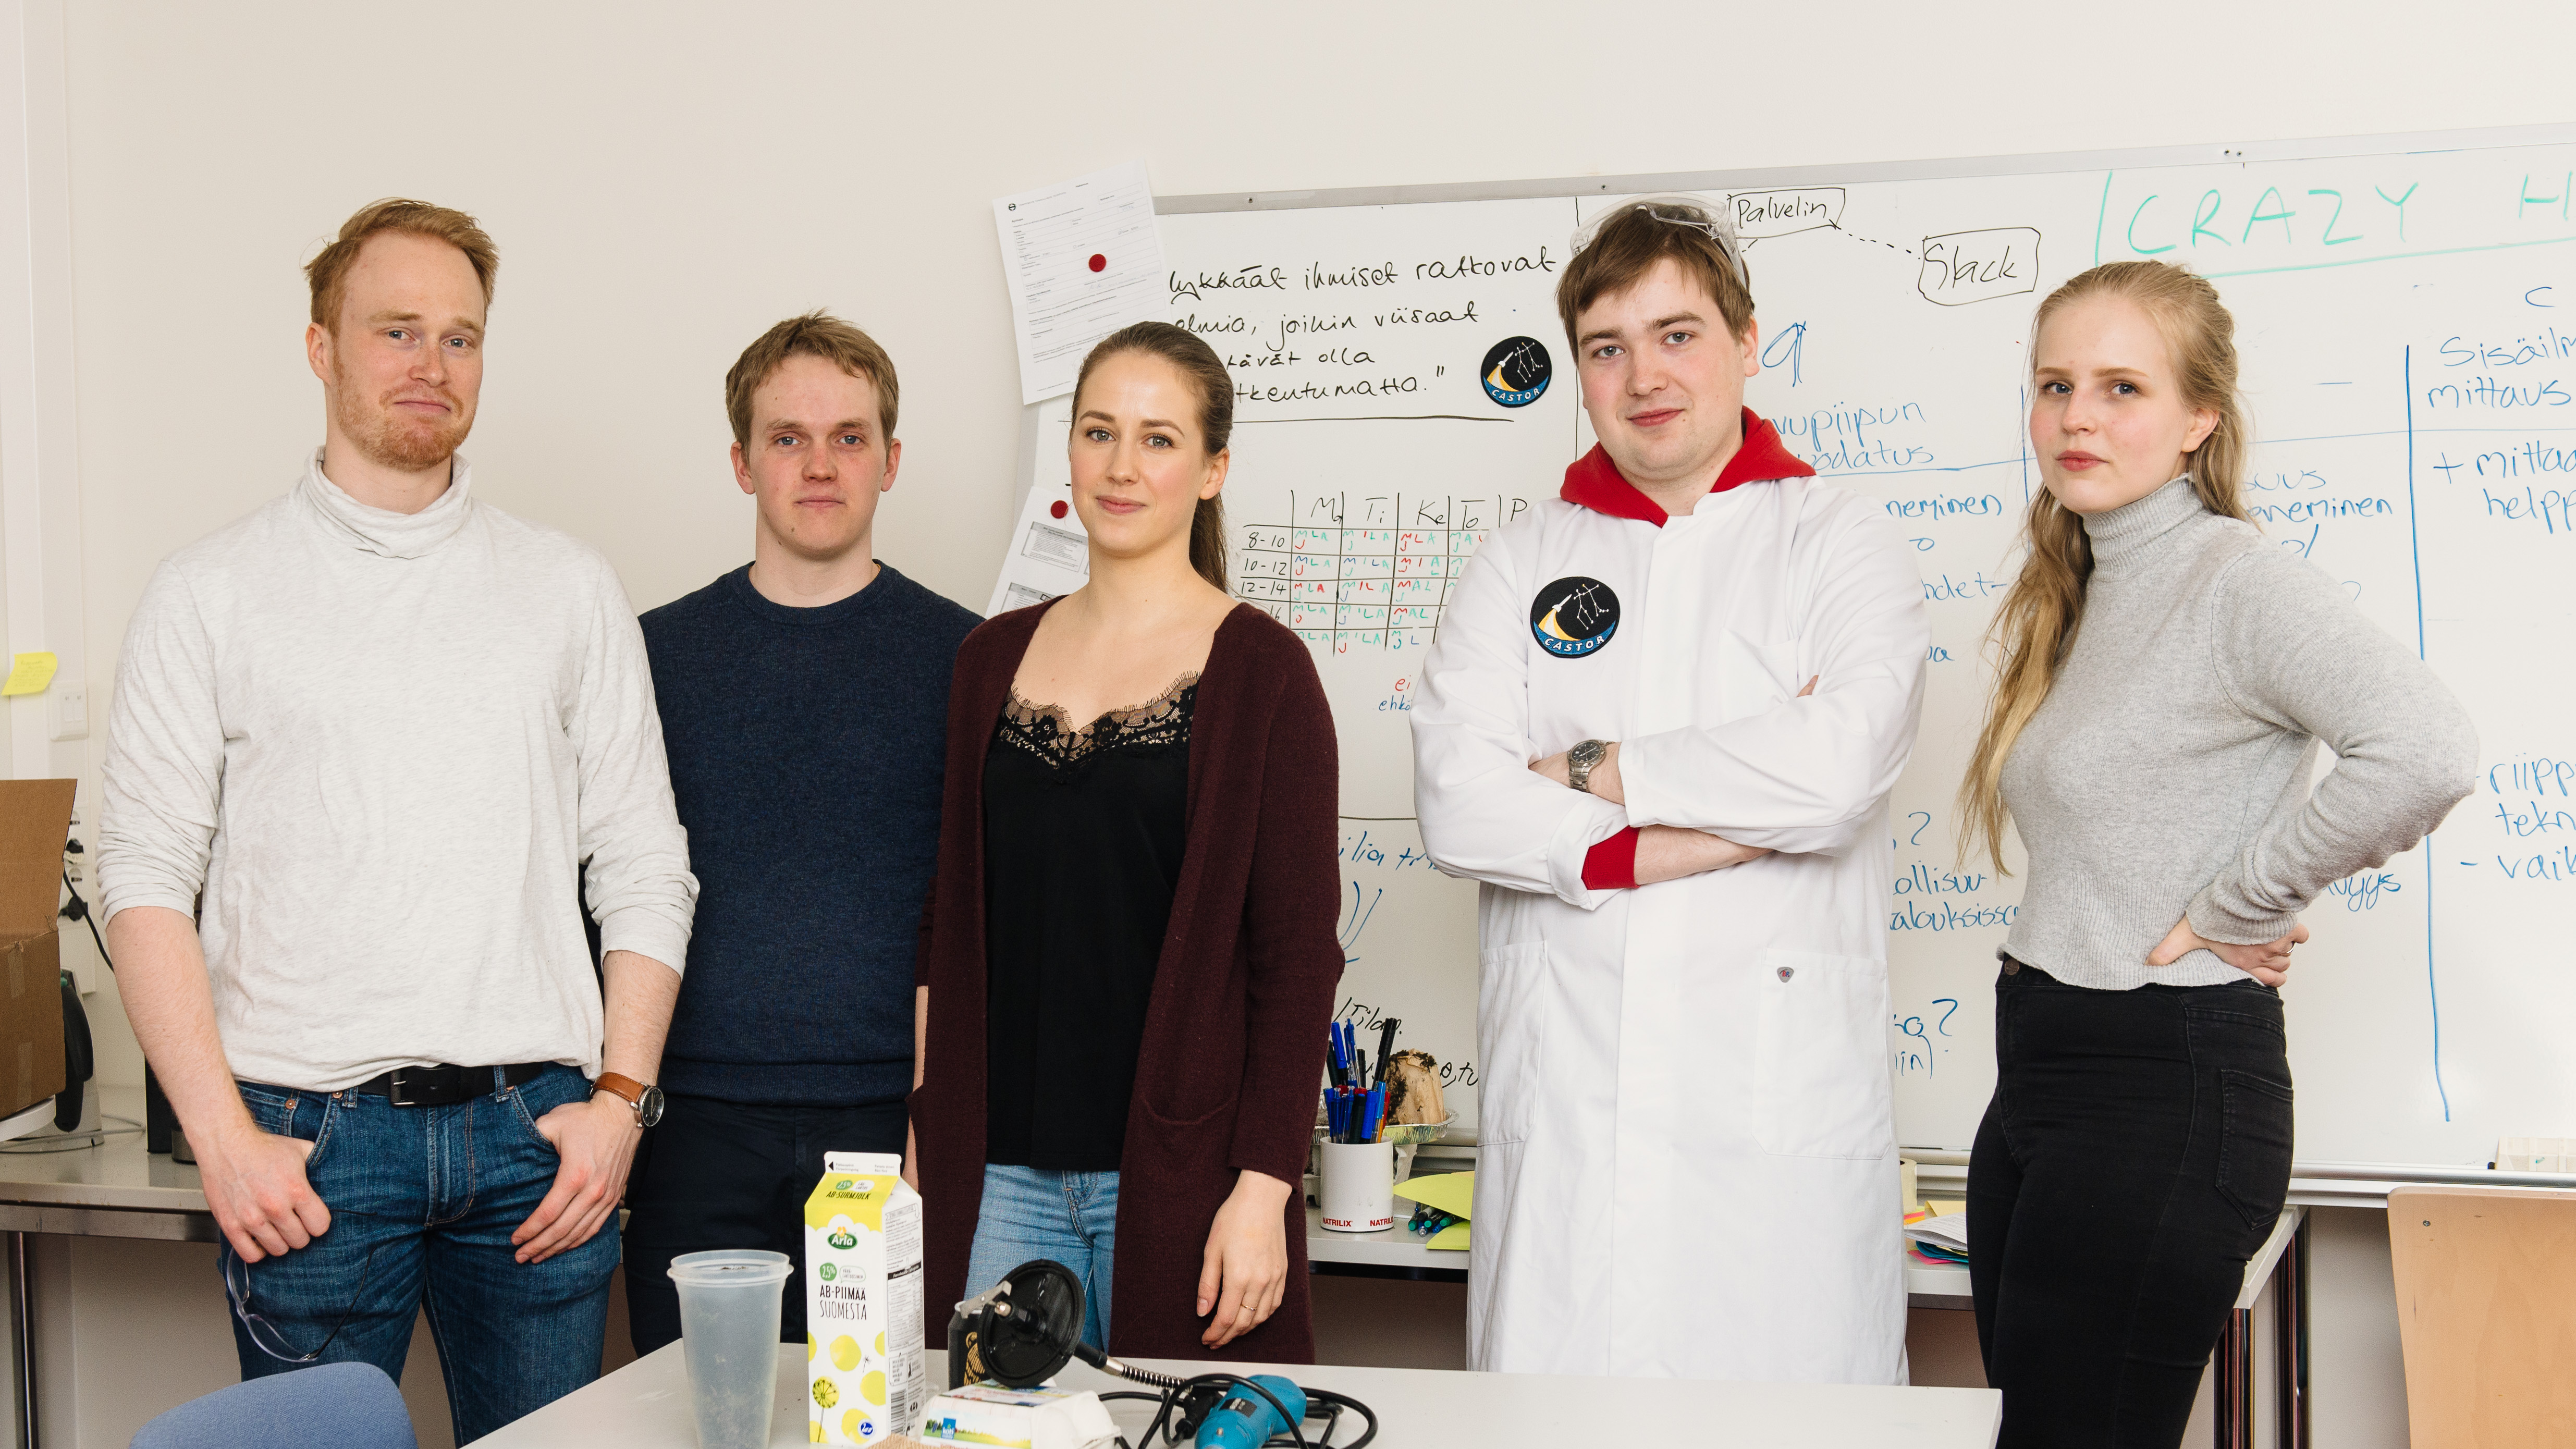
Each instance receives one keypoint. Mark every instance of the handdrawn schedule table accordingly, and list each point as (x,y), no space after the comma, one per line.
(1365,573)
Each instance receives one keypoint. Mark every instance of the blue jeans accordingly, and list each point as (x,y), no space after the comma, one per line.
(1032,1212)
(423,1201)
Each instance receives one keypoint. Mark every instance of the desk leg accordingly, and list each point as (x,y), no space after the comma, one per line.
(22,1324)
(2232,1390)
(2290,1342)
(2232,1369)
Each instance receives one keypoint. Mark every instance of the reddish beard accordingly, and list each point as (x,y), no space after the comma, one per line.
(391,438)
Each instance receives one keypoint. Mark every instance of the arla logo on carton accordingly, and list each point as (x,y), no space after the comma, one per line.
(863,1318)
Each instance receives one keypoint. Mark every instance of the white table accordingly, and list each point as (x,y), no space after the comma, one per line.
(645,1405)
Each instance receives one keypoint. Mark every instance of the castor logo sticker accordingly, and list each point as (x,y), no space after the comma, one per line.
(1574,616)
(1516,371)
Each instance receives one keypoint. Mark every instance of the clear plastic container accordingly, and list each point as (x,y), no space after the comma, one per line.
(729,1302)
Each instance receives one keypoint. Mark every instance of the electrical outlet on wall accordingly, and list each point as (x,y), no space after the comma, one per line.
(70,712)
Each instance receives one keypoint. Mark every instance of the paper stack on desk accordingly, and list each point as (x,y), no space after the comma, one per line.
(1449,1192)
(1939,1233)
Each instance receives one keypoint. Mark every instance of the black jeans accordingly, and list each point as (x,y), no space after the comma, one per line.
(2135,1154)
(729,1175)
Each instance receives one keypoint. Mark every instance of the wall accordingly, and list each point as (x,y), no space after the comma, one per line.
(664,188)
(665,180)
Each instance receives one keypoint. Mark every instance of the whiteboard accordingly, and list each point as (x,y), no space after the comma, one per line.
(2407,320)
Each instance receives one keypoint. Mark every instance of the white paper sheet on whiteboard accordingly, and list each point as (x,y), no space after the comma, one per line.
(1050,553)
(1083,260)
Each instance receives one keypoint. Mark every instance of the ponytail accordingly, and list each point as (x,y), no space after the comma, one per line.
(1207,541)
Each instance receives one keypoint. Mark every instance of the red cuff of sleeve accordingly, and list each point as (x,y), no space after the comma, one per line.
(1611,865)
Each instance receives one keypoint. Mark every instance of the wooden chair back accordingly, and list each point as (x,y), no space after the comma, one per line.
(2486,1310)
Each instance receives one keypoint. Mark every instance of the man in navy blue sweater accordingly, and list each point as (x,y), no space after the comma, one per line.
(804,705)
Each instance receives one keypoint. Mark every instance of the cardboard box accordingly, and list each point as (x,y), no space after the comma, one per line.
(35,816)
(863,1307)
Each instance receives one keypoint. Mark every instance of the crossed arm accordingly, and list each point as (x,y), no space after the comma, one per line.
(1664,852)
(1805,774)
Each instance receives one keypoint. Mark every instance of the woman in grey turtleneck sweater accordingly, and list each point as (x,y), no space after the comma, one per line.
(2166,677)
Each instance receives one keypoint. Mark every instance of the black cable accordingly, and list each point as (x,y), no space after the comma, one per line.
(81,912)
(1167,1402)
(1175,1390)
(1347,1402)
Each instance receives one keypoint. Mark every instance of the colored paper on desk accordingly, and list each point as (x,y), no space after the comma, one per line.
(1451,1239)
(1949,1233)
(1451,1192)
(1942,1207)
(30,674)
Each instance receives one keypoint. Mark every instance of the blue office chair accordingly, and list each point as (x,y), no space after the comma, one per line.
(347,1405)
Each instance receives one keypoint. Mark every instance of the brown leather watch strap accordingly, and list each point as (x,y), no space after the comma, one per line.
(621,1086)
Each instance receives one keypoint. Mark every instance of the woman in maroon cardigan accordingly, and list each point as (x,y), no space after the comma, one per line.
(1130,954)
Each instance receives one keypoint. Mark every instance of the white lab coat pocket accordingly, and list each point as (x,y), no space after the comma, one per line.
(1821,1056)
(1511,1038)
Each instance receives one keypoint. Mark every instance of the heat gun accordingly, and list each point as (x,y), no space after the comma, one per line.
(1029,1326)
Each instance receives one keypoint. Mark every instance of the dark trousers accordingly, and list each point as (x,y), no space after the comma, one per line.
(728,1175)
(2134,1155)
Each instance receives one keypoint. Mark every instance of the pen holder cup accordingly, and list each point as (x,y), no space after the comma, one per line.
(1359,1186)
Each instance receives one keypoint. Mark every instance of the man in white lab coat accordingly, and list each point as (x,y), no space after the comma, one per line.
(1660,723)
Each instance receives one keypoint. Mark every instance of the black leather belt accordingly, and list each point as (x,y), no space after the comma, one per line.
(444,1085)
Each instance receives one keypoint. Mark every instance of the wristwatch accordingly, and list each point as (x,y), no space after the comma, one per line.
(1580,761)
(645,1098)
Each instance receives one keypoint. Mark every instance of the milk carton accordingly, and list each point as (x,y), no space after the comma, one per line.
(863,1322)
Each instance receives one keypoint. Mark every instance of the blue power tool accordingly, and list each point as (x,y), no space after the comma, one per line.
(1026,1328)
(1244,1420)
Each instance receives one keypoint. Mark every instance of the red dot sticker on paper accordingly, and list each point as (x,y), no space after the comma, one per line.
(1099,263)
(1056,509)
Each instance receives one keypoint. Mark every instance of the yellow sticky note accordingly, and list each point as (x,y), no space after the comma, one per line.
(1449,1192)
(1452,1238)
(1942,1207)
(30,674)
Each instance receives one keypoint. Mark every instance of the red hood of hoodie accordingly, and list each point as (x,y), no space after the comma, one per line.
(1594,482)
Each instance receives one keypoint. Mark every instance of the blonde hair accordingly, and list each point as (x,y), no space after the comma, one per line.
(328,273)
(2040,614)
(815,334)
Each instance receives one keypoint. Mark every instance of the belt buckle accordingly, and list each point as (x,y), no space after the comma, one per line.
(396,1082)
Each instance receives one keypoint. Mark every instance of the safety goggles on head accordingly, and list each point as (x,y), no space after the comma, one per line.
(1712,219)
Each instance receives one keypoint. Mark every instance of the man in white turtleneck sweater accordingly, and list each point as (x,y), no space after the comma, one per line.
(370,748)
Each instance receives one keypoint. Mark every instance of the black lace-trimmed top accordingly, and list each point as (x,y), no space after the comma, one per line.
(1084,829)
